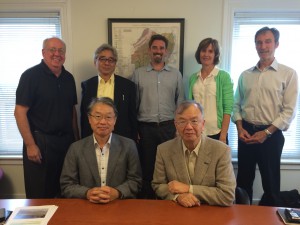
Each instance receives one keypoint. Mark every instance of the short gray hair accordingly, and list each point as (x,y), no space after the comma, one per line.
(104,47)
(102,100)
(263,30)
(187,103)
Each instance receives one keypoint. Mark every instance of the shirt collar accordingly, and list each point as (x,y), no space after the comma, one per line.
(111,80)
(196,150)
(108,143)
(150,68)
(213,73)
(273,66)
(48,71)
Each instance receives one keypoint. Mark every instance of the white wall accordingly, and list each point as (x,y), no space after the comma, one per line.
(12,185)
(89,26)
(87,29)
(12,182)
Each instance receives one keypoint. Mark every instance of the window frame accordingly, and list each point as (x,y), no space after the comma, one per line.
(61,6)
(31,6)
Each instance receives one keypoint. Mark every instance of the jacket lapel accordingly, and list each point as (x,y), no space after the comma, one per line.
(203,161)
(178,160)
(117,90)
(94,86)
(114,153)
(90,157)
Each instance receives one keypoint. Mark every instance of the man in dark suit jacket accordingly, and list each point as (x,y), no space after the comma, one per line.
(104,166)
(192,168)
(118,88)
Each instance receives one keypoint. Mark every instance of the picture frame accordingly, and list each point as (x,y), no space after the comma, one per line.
(130,36)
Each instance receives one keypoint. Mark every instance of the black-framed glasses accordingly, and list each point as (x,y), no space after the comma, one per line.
(109,60)
(107,118)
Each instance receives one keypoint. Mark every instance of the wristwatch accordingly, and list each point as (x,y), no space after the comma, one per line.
(269,134)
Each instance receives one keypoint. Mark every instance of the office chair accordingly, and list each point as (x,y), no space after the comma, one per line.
(241,196)
(1,173)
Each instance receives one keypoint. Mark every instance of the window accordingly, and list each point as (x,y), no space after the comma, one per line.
(242,55)
(21,37)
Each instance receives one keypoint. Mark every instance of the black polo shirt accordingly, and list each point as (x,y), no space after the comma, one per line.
(50,99)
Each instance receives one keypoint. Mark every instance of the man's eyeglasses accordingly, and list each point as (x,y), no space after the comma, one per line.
(107,118)
(109,60)
(61,51)
(184,123)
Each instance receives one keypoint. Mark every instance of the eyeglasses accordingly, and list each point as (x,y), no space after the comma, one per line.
(184,123)
(109,60)
(107,118)
(60,51)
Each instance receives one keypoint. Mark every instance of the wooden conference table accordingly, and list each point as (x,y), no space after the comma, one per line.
(144,212)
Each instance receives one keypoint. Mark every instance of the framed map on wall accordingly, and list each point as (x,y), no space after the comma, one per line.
(131,36)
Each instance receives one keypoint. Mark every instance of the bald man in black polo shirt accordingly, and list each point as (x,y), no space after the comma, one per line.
(46,117)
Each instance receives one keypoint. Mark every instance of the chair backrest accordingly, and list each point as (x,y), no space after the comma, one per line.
(241,196)
(1,173)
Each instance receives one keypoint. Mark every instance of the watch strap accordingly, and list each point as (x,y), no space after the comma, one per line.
(269,134)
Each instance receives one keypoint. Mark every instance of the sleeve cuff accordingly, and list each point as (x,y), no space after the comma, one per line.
(121,196)
(175,198)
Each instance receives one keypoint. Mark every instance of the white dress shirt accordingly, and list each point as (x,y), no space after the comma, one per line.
(205,93)
(268,96)
(102,156)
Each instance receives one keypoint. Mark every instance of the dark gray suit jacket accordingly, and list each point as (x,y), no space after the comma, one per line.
(214,180)
(80,170)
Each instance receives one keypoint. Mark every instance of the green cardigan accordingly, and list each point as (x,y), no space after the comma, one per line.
(224,93)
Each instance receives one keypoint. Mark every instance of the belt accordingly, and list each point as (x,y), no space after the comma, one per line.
(157,124)
(254,126)
(57,133)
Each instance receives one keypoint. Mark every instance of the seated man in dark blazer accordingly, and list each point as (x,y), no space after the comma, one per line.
(192,168)
(108,84)
(103,166)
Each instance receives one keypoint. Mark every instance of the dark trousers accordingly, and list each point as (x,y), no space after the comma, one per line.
(217,137)
(151,135)
(42,180)
(267,156)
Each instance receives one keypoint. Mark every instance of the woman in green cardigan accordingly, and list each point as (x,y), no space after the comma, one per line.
(213,88)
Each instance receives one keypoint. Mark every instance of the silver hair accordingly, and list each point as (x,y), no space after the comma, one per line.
(187,103)
(45,42)
(104,47)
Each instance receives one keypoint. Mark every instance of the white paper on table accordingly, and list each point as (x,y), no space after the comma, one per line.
(32,215)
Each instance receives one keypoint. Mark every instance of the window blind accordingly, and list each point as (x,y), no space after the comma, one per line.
(244,56)
(21,39)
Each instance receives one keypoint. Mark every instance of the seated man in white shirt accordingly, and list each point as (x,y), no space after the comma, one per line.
(103,166)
